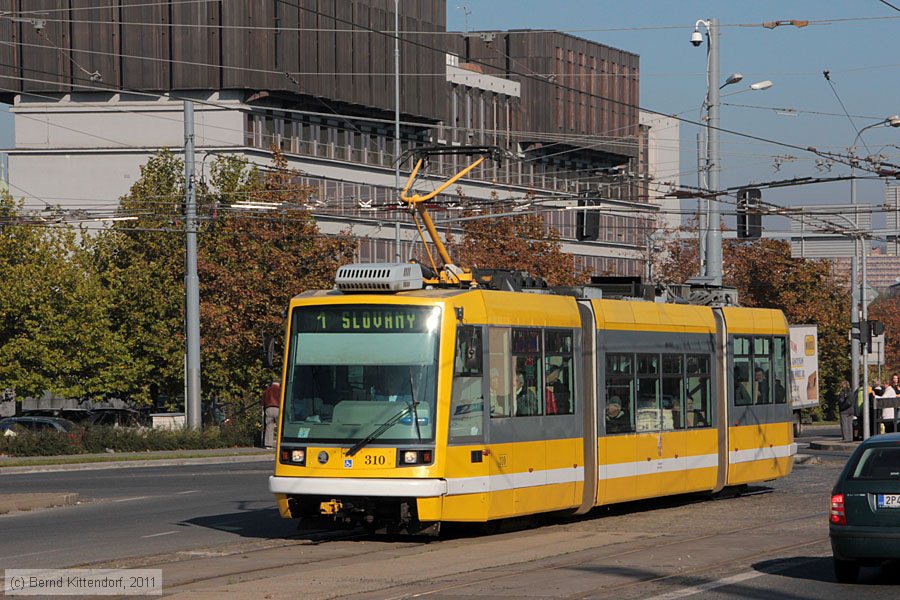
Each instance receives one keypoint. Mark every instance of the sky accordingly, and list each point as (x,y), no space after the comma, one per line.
(856,42)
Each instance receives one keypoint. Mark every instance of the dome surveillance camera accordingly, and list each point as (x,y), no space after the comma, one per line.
(696,38)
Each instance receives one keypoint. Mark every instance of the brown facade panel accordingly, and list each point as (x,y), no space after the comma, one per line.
(381,61)
(196,45)
(308,41)
(287,40)
(95,33)
(322,84)
(44,67)
(10,74)
(248,45)
(344,48)
(361,41)
(146,61)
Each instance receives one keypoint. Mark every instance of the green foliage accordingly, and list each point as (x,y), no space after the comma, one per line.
(97,440)
(103,313)
(55,313)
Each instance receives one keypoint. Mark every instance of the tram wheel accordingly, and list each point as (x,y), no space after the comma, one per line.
(846,571)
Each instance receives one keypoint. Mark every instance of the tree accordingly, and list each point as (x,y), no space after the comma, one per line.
(141,262)
(250,264)
(55,313)
(887,310)
(766,276)
(521,242)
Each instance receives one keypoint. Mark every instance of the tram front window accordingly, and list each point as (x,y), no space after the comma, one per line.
(353,369)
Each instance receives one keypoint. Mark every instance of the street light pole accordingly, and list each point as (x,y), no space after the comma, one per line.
(857,290)
(714,229)
(397,255)
(191,279)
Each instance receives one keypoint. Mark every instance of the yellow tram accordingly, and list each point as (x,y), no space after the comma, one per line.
(407,404)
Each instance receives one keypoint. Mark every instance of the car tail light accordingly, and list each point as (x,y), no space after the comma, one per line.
(837,515)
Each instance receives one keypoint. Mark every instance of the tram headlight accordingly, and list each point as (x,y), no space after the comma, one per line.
(294,456)
(408,458)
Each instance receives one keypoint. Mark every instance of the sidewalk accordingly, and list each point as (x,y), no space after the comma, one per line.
(121,460)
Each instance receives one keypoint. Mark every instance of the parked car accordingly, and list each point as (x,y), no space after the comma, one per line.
(865,508)
(16,425)
(76,415)
(116,417)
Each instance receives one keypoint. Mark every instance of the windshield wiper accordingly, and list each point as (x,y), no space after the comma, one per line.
(382,428)
(412,393)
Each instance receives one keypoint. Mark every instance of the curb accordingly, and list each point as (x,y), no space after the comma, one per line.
(138,464)
(20,502)
(807,459)
(838,446)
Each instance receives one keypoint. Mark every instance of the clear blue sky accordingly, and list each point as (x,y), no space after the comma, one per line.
(861,56)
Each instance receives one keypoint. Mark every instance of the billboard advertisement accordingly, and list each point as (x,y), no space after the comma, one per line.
(804,366)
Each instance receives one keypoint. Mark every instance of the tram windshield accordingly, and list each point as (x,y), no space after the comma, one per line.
(354,368)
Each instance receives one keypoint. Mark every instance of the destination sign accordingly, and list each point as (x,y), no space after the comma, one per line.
(363,319)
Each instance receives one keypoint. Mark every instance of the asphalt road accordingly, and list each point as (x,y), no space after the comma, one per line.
(213,531)
(136,512)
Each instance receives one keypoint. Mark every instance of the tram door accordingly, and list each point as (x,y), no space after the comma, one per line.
(501,417)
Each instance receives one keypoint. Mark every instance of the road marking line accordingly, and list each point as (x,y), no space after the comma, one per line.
(188,492)
(682,593)
(708,586)
(159,534)
(130,499)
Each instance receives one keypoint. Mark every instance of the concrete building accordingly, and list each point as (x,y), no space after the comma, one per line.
(316,80)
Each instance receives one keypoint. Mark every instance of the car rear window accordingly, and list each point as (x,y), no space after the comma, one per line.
(879,462)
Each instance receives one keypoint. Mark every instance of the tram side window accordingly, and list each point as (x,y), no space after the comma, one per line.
(466,400)
(619,393)
(527,352)
(559,373)
(672,413)
(762,370)
(779,368)
(742,389)
(697,391)
(500,382)
(647,392)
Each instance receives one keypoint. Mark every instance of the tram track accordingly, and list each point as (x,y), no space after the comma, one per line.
(203,568)
(619,554)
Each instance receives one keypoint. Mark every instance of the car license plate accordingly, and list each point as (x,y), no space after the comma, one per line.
(888,500)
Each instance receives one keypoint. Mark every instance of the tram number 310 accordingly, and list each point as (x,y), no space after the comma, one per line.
(375,460)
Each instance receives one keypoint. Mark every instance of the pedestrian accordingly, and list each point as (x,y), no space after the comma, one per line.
(845,405)
(271,399)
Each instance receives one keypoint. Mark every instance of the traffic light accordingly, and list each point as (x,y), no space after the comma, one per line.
(749,221)
(868,330)
(587,222)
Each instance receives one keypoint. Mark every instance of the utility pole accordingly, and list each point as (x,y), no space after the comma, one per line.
(854,295)
(714,228)
(397,255)
(191,279)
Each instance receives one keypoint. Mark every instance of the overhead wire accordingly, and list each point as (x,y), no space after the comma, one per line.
(763,140)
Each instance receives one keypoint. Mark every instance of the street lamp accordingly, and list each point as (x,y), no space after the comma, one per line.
(703,159)
(857,294)
(712,274)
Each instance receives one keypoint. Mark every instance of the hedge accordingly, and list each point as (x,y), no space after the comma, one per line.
(123,439)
